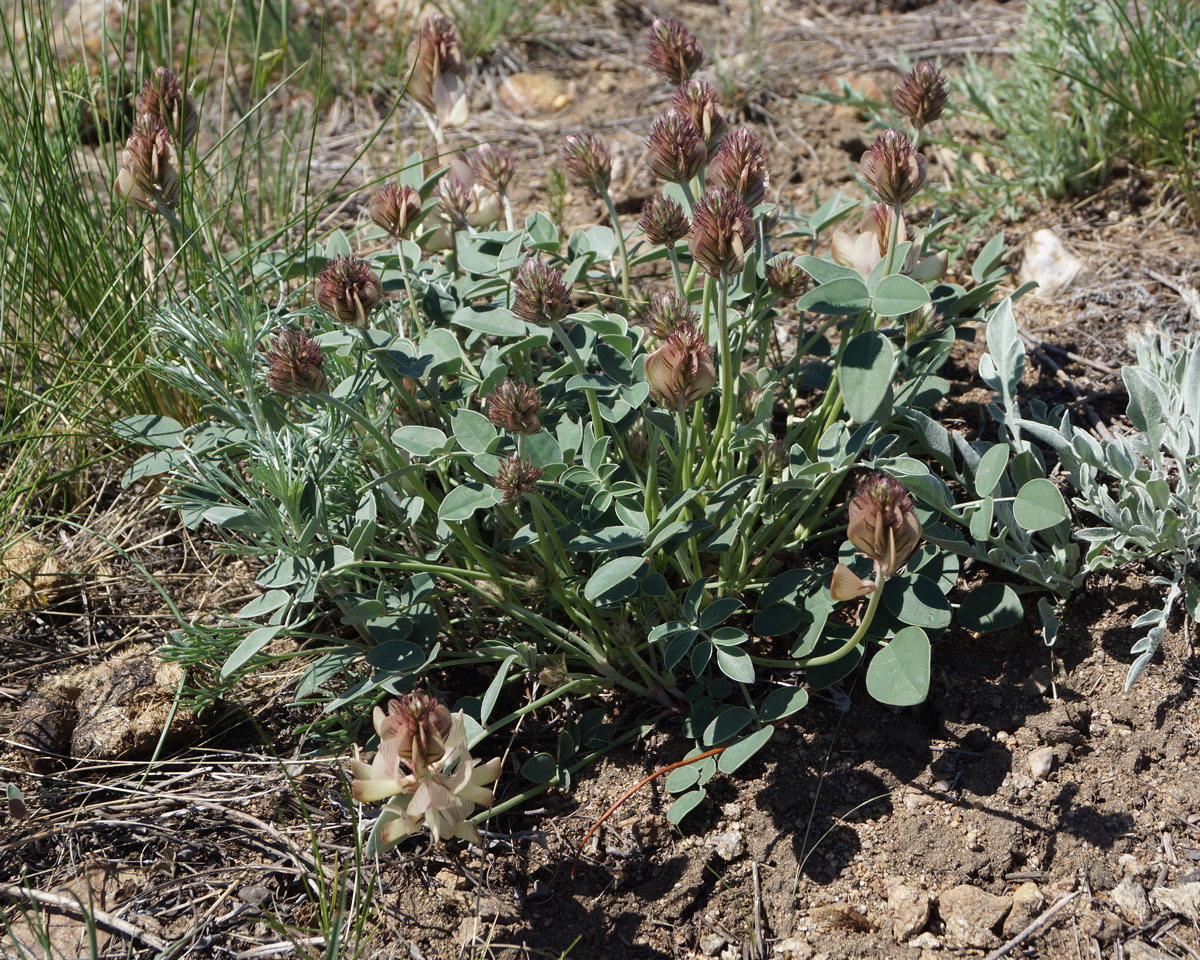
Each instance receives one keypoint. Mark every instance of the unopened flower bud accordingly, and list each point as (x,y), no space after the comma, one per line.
(163,96)
(514,406)
(921,95)
(149,172)
(699,101)
(883,523)
(435,71)
(740,165)
(348,290)
(454,201)
(677,152)
(785,278)
(893,168)
(540,295)
(516,477)
(681,370)
(396,209)
(920,323)
(588,162)
(295,365)
(663,221)
(493,166)
(667,313)
(672,51)
(773,456)
(722,231)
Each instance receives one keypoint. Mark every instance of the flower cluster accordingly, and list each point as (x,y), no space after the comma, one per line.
(295,364)
(396,209)
(423,762)
(865,249)
(672,51)
(435,71)
(883,526)
(540,294)
(893,168)
(348,290)
(149,173)
(681,370)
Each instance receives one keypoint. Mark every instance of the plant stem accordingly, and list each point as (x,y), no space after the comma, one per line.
(616,222)
(853,642)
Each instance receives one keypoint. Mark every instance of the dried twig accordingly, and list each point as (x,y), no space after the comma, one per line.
(74,907)
(1042,921)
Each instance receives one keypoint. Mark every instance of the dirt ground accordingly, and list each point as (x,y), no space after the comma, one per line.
(1029,786)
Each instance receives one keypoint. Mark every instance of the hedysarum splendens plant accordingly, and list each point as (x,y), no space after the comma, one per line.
(533,474)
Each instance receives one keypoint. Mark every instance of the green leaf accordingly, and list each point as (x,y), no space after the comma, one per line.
(494,688)
(153,464)
(736,664)
(682,778)
(1145,409)
(866,375)
(254,641)
(897,295)
(269,602)
(473,431)
(782,702)
(540,768)
(151,429)
(742,750)
(827,674)
(826,271)
(421,441)
(844,296)
(685,805)
(899,673)
(462,502)
(989,258)
(718,612)
(991,468)
(1039,505)
(396,656)
(993,606)
(917,600)
(729,636)
(492,320)
(776,620)
(726,725)
(286,571)
(621,572)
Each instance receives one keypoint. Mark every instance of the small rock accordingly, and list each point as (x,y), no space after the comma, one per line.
(971,914)
(531,92)
(1100,875)
(729,845)
(1137,950)
(1028,902)
(711,944)
(1130,866)
(732,811)
(1131,900)
(838,916)
(1041,761)
(909,907)
(1180,898)
(926,941)
(254,894)
(793,948)
(1100,925)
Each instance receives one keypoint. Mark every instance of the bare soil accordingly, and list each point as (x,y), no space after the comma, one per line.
(861,831)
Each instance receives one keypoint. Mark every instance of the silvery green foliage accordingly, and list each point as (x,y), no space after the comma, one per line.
(1017,521)
(1143,488)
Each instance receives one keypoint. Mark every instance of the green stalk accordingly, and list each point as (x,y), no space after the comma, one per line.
(728,389)
(616,222)
(581,368)
(853,642)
